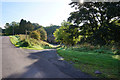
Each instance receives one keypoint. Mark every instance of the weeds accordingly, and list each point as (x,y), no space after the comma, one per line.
(99,49)
(27,42)
(90,61)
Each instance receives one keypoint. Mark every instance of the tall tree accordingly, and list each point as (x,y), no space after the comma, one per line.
(14,26)
(22,26)
(29,26)
(8,29)
(25,26)
(98,21)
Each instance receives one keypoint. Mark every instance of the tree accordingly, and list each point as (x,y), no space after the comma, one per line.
(9,29)
(98,19)
(65,35)
(12,28)
(35,35)
(0,31)
(22,26)
(36,26)
(42,33)
(25,26)
(6,25)
(50,30)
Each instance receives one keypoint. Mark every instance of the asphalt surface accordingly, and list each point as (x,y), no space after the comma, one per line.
(24,63)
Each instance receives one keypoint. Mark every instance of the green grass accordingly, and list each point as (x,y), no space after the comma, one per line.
(90,61)
(14,40)
(30,43)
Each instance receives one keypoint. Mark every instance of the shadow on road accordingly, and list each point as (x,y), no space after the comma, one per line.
(48,65)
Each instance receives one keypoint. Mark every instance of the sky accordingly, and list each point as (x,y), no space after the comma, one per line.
(43,12)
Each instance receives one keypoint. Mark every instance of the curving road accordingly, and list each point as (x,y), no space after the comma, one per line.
(22,63)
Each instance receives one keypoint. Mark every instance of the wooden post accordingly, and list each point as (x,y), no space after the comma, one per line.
(26,34)
(13,30)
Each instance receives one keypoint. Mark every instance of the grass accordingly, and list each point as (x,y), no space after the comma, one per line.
(90,61)
(30,43)
(86,58)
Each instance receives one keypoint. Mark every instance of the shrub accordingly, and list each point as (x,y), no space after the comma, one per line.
(117,52)
(35,35)
(14,40)
(22,37)
(24,43)
(43,34)
(116,49)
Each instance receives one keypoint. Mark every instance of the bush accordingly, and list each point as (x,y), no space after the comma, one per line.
(14,40)
(116,49)
(117,52)
(43,34)
(24,43)
(22,37)
(86,47)
(35,35)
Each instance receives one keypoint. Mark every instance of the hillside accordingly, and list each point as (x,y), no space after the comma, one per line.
(23,41)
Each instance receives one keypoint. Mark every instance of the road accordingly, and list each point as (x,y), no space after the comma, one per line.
(23,63)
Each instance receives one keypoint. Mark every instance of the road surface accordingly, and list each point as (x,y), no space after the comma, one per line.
(22,63)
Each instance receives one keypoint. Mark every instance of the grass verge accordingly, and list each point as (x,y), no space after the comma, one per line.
(90,61)
(30,43)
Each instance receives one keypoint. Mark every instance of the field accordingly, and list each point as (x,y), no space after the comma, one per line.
(90,61)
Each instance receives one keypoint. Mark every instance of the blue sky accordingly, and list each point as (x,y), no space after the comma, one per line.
(43,12)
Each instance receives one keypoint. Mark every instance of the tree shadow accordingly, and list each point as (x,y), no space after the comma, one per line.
(48,65)
(41,68)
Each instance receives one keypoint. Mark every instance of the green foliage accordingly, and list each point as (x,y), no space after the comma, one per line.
(0,31)
(50,30)
(42,33)
(9,29)
(95,49)
(22,37)
(35,35)
(30,43)
(89,62)
(25,26)
(65,35)
(24,44)
(116,52)
(39,34)
(14,40)
(116,49)
(20,28)
(96,20)
(36,26)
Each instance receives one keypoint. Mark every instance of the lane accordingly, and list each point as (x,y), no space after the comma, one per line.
(17,63)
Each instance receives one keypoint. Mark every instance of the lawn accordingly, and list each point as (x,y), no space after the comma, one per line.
(91,61)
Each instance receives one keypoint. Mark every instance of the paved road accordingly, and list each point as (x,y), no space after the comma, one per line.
(22,63)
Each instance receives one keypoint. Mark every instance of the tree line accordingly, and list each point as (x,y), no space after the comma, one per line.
(20,28)
(26,27)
